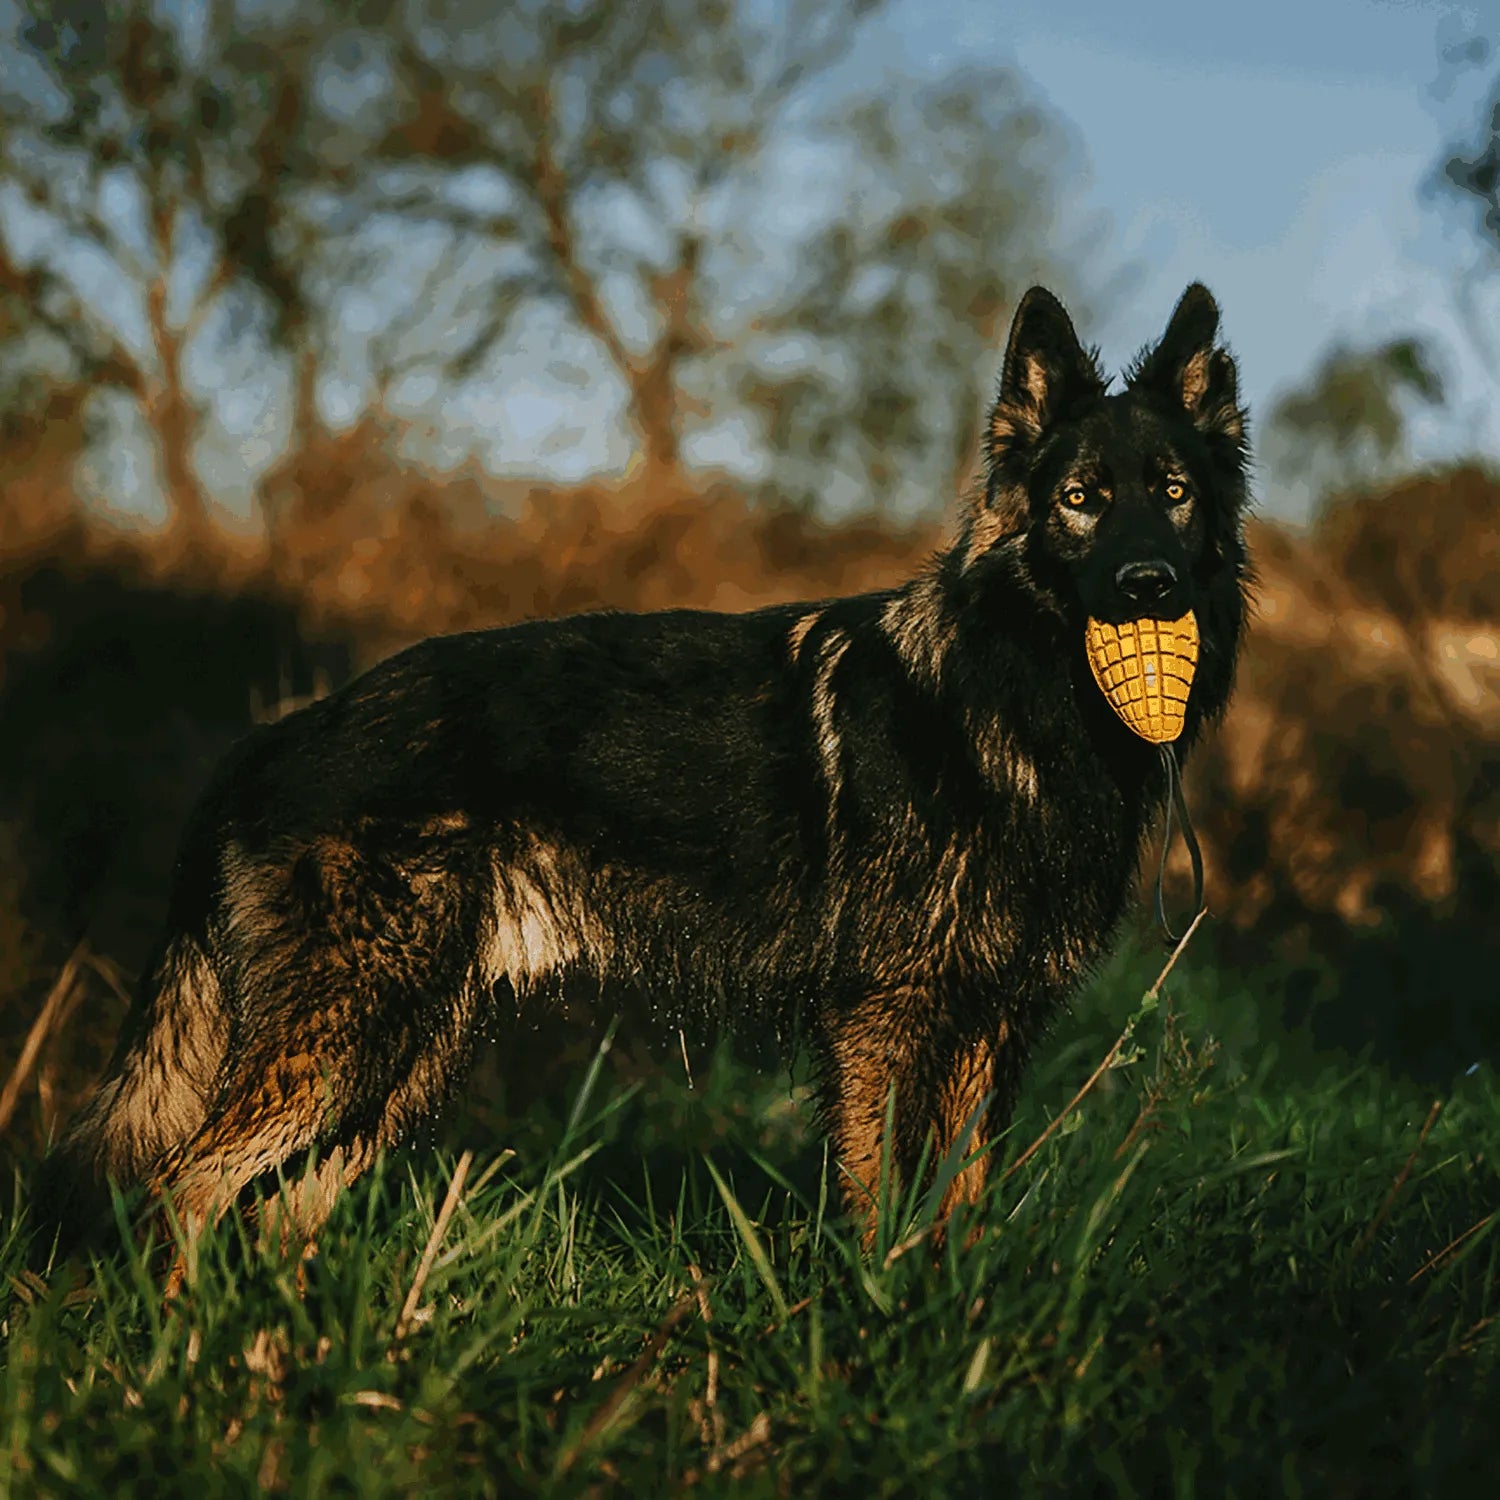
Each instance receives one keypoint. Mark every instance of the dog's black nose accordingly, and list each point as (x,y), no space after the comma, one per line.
(1146,582)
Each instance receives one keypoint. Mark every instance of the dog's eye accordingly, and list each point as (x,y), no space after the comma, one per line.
(1177,491)
(1075,495)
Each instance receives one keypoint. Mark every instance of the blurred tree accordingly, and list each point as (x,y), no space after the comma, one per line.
(149,163)
(689,212)
(1346,428)
(874,357)
(776,270)
(1472,168)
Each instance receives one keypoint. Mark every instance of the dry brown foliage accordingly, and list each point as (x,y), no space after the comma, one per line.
(368,544)
(1359,770)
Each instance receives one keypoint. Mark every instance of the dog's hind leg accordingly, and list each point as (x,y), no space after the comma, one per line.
(272,1103)
(292,1218)
(157,1096)
(344,1076)
(419,1093)
(298,1212)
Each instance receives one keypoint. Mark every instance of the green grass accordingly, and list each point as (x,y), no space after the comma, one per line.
(1199,1285)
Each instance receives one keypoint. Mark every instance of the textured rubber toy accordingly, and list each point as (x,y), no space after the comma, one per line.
(1145,668)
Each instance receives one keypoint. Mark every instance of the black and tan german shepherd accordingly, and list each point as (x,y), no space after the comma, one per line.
(901,825)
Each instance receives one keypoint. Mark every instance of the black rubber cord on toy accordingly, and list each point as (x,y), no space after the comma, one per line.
(1176,803)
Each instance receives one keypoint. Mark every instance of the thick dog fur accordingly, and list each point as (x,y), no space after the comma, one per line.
(899,825)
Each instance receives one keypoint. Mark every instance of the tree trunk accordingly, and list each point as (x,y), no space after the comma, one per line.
(168,408)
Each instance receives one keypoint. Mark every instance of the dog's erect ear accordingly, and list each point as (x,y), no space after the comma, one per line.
(1188,369)
(1046,372)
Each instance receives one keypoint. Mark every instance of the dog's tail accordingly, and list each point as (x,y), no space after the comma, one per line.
(155,1097)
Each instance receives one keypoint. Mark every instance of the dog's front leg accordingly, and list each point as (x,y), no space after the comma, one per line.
(899,1052)
(966,1108)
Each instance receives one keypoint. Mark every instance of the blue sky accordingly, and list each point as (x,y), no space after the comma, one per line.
(1276,151)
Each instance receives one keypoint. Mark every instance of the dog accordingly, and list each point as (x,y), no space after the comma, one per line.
(899,826)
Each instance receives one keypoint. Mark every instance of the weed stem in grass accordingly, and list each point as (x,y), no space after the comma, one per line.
(1106,1060)
(434,1241)
(610,1406)
(1397,1185)
(1449,1248)
(60,999)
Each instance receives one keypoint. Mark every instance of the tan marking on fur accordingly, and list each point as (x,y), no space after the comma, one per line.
(875,1045)
(184,1048)
(1063,964)
(951,933)
(1078,522)
(255,895)
(962,1097)
(159,1097)
(1035,380)
(338,859)
(1007,424)
(953,871)
(988,529)
(915,623)
(1023,775)
(296,1214)
(941,912)
(538,924)
(798,633)
(1195,380)
(864,1064)
(451,822)
(259,1127)
(991,526)
(830,653)
(528,941)
(1002,761)
(438,1067)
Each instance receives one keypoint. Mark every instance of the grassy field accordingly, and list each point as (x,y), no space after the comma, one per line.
(1235,1268)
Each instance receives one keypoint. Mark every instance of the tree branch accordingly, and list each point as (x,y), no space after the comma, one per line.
(651,415)
(165,402)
